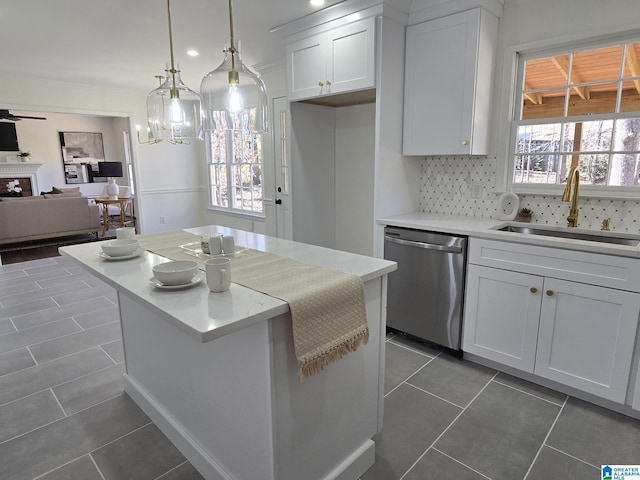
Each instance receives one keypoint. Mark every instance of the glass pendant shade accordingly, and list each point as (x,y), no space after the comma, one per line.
(173,111)
(233,97)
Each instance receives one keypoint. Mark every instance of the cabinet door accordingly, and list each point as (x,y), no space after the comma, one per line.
(502,311)
(351,60)
(306,67)
(586,337)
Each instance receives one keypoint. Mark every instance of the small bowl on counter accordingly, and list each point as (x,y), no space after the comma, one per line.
(177,272)
(120,248)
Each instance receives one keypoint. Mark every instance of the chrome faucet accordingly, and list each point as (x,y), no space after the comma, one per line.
(571,192)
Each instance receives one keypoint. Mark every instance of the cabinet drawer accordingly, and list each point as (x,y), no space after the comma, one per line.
(595,269)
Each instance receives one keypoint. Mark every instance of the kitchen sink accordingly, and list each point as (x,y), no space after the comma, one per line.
(564,232)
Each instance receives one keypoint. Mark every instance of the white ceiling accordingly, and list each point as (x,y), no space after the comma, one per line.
(125,43)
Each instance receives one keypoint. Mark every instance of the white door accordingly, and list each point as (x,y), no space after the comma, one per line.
(586,337)
(502,311)
(282,166)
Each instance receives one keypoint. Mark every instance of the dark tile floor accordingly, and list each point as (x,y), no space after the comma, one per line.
(63,413)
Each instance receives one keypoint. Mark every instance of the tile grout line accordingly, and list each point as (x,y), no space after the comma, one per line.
(54,421)
(571,456)
(58,402)
(411,375)
(434,395)
(171,470)
(460,463)
(545,439)
(530,394)
(449,426)
(93,460)
(107,354)
(413,350)
(59,384)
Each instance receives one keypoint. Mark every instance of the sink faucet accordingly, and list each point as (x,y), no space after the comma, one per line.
(570,194)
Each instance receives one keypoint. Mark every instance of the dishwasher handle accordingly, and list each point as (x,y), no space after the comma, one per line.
(426,246)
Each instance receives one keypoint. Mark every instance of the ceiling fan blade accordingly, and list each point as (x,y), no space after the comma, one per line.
(7,115)
(31,118)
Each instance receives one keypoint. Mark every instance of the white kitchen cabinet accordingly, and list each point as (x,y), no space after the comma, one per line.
(564,329)
(333,62)
(502,312)
(448,82)
(586,337)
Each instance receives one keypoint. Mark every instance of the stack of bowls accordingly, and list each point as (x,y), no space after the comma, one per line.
(120,248)
(179,272)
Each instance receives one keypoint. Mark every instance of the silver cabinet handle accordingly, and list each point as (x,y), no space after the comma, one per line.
(426,246)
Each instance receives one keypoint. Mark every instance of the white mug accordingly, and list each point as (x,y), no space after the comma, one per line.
(218,271)
(125,233)
(228,245)
(215,244)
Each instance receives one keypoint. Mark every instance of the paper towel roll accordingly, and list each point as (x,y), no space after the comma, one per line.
(508,204)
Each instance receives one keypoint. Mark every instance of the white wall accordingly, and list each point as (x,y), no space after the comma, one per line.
(313,173)
(40,137)
(354,171)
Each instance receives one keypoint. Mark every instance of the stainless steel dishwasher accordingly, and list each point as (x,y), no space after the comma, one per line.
(425,294)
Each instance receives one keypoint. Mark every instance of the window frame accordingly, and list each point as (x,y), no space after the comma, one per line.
(516,56)
(231,209)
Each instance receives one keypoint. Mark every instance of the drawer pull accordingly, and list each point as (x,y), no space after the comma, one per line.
(320,84)
(550,293)
(533,290)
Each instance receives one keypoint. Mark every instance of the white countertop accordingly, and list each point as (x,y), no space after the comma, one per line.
(208,315)
(486,228)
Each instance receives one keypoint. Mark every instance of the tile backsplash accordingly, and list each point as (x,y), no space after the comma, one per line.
(466,186)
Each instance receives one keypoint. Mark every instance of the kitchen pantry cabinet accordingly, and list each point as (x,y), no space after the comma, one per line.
(540,315)
(449,68)
(337,61)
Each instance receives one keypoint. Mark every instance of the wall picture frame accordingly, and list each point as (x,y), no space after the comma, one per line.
(81,152)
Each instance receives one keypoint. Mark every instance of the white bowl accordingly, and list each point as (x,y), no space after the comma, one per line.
(120,248)
(175,273)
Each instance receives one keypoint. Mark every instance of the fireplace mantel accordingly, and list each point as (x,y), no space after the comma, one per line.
(22,169)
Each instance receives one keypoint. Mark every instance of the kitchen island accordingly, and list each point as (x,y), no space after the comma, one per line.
(218,374)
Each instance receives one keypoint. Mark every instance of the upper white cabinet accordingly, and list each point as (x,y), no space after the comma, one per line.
(449,68)
(336,61)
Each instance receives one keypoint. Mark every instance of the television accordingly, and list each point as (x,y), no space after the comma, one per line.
(8,137)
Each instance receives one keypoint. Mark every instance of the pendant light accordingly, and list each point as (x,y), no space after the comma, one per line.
(173,109)
(233,97)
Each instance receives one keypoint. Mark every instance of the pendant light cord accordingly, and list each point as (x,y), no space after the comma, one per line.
(232,50)
(174,91)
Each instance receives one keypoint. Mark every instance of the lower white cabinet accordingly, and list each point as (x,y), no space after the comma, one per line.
(502,313)
(586,337)
(573,333)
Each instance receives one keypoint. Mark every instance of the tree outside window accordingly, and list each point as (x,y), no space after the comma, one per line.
(236,169)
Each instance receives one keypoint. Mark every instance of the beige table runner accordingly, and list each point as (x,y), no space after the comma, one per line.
(327,305)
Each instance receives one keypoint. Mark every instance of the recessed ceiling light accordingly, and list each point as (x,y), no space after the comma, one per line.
(192,53)
(316,3)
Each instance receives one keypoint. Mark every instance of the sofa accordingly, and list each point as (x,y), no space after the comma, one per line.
(45,216)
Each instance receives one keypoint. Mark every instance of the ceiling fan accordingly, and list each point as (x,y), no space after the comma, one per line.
(6,115)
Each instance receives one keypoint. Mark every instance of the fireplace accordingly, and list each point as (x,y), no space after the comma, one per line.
(25,173)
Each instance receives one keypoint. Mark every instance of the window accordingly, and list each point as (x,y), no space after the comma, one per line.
(578,107)
(235,171)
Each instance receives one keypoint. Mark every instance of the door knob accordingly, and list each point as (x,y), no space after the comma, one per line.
(279,189)
(278,202)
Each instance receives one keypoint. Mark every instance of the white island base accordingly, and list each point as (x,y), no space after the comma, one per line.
(234,405)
